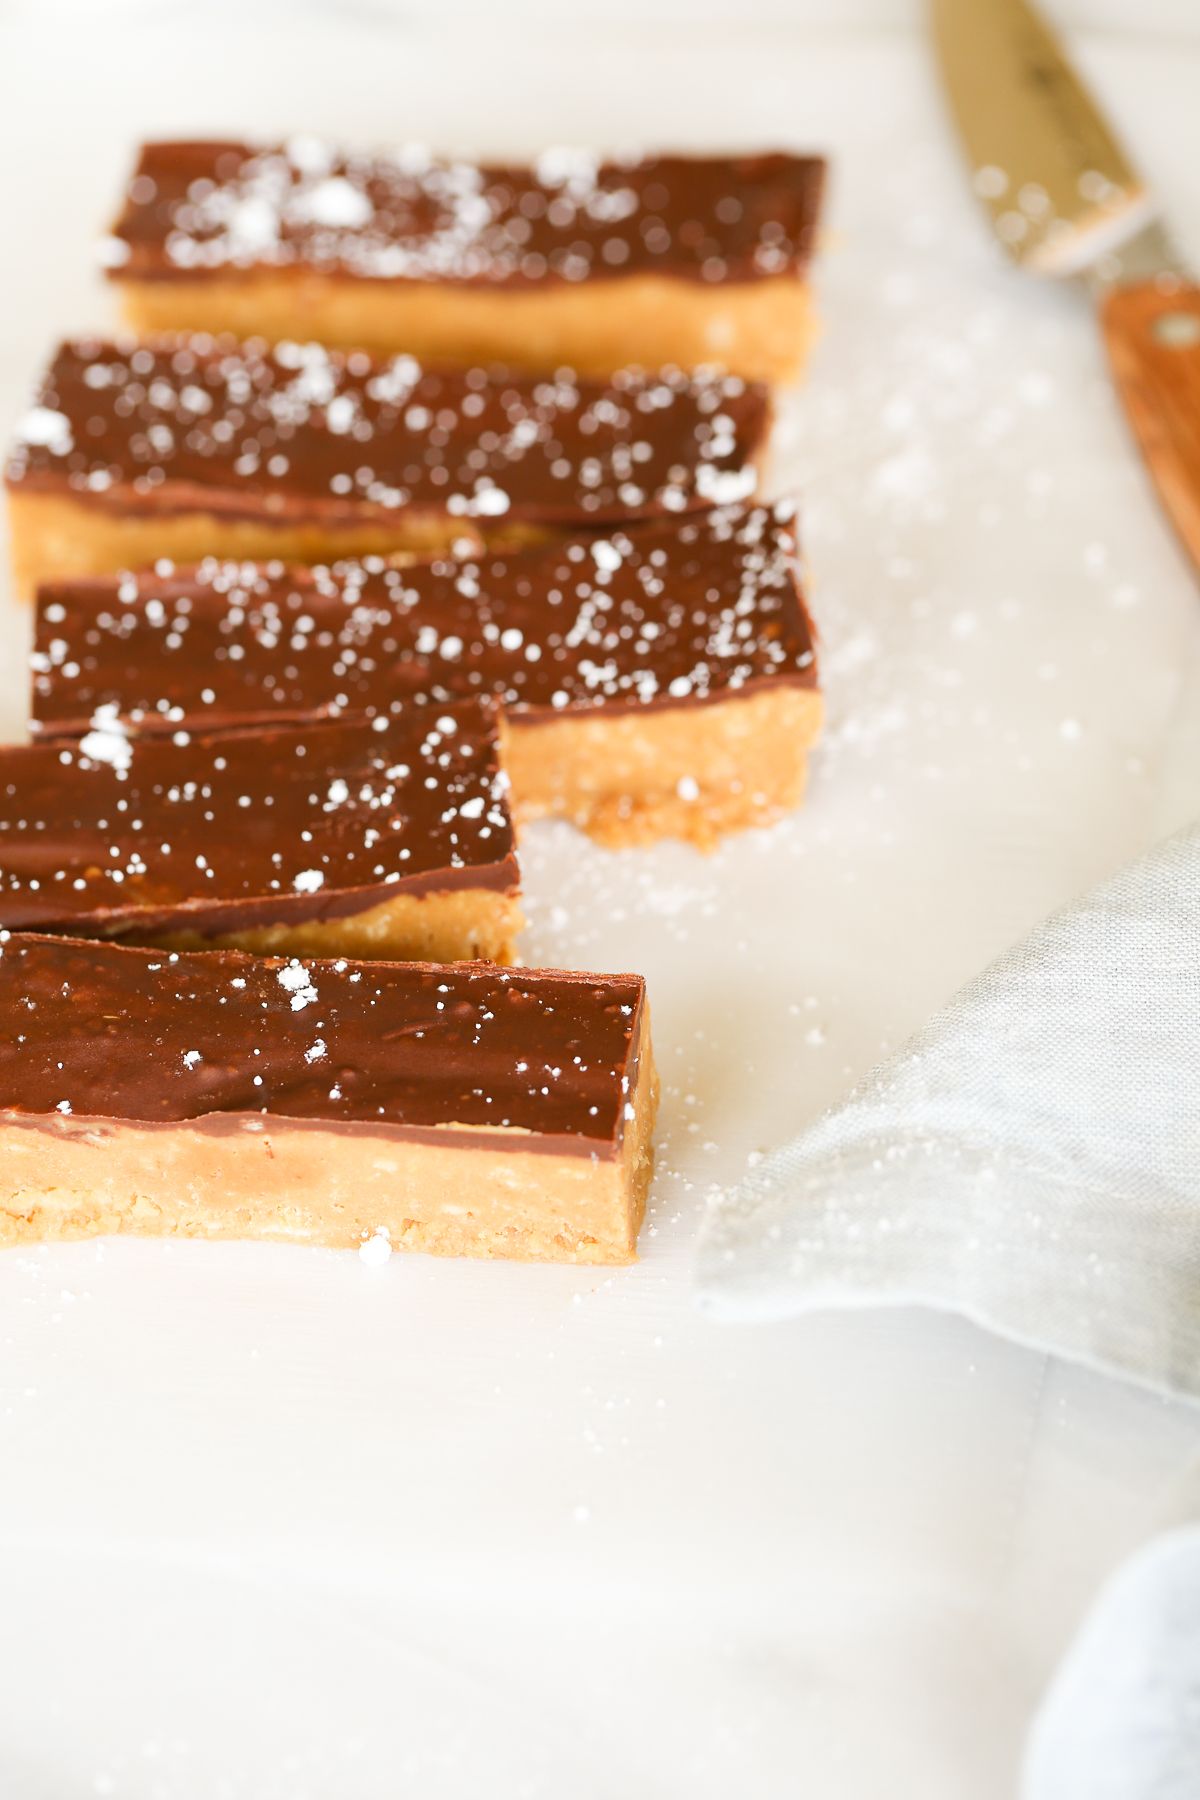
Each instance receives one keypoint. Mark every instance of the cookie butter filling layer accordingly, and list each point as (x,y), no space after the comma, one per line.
(457,1108)
(197,208)
(315,835)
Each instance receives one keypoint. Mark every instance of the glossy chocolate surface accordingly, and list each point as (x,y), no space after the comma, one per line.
(196,208)
(298,433)
(100,1033)
(696,610)
(215,835)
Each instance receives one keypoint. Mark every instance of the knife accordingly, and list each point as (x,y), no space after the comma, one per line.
(1064,200)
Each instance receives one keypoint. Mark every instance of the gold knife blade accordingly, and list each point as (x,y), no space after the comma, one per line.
(1057,183)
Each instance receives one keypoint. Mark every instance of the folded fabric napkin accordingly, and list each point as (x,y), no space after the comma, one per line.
(1031,1158)
(1122,1718)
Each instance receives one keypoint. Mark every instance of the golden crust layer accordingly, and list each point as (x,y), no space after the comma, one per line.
(692,772)
(762,330)
(52,536)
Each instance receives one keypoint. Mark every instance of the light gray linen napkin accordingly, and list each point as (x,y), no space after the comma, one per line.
(1030,1159)
(1121,1720)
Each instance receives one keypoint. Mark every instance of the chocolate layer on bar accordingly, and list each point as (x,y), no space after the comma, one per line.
(194,208)
(700,609)
(220,835)
(301,433)
(97,1033)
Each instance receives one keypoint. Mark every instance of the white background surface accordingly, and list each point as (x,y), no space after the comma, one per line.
(277,1526)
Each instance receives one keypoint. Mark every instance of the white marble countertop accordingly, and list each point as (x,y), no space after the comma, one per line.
(276,1526)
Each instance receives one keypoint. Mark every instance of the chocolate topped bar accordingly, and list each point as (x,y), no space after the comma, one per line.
(299,434)
(217,836)
(195,208)
(699,609)
(94,1035)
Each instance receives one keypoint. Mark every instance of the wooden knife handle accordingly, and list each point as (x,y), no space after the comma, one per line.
(1153,335)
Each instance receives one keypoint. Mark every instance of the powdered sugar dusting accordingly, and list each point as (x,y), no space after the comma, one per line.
(405,214)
